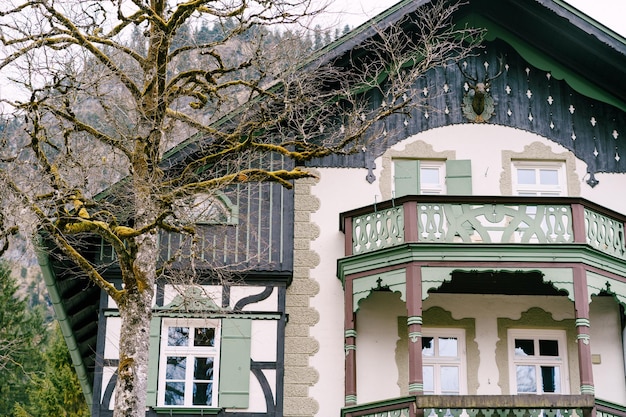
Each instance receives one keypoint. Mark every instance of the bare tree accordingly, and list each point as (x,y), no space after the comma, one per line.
(112,85)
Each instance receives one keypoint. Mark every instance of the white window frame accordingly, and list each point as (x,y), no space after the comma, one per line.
(433,188)
(538,189)
(536,360)
(426,188)
(190,352)
(437,361)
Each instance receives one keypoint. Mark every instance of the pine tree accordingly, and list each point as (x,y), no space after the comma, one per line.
(22,336)
(57,391)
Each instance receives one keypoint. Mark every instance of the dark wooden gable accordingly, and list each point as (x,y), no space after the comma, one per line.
(525,98)
(551,90)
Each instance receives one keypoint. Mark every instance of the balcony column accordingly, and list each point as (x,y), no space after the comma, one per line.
(349,346)
(410,223)
(414,324)
(581,304)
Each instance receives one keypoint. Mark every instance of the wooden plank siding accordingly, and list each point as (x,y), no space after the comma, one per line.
(595,144)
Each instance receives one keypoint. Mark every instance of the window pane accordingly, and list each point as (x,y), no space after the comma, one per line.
(449,379)
(174,393)
(551,379)
(548,348)
(548,177)
(204,336)
(429,379)
(526,176)
(429,175)
(448,346)
(202,393)
(526,379)
(175,367)
(427,346)
(524,347)
(203,369)
(178,336)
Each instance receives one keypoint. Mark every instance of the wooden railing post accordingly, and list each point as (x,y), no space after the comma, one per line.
(578,223)
(348,244)
(414,328)
(349,345)
(581,304)
(410,221)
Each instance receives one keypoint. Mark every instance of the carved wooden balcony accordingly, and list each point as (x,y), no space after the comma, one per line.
(485,406)
(484,220)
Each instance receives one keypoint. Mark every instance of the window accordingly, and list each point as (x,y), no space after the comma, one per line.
(443,361)
(204,208)
(538,361)
(539,178)
(189,362)
(414,176)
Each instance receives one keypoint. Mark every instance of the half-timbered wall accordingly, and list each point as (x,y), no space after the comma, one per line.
(250,319)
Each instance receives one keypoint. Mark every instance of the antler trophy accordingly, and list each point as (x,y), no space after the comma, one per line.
(478,105)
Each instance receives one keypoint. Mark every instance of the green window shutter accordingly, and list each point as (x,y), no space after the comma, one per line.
(406,177)
(234,378)
(153,361)
(459,177)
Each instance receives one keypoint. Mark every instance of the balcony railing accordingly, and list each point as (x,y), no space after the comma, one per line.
(482,406)
(475,220)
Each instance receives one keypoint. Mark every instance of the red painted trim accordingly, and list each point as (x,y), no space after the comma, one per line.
(414,308)
(578,223)
(581,305)
(410,222)
(348,236)
(350,355)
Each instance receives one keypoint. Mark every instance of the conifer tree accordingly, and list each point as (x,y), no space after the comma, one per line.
(22,336)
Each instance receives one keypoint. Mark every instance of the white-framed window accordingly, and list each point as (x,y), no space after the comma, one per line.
(539,178)
(189,362)
(432,177)
(538,361)
(415,176)
(443,361)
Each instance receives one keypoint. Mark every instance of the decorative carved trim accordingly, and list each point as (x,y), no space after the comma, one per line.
(414,150)
(537,151)
(192,299)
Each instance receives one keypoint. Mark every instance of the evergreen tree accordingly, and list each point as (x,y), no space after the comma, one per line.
(57,392)
(317,37)
(327,37)
(22,336)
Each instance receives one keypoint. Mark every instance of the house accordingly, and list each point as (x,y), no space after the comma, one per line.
(471,260)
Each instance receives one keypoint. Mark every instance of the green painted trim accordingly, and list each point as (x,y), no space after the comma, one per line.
(153,361)
(393,280)
(414,320)
(212,315)
(459,177)
(377,404)
(583,323)
(234,377)
(597,283)
(61,316)
(202,411)
(587,389)
(204,315)
(543,61)
(574,253)
(406,174)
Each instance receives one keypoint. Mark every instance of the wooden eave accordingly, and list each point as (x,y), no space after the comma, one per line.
(552,27)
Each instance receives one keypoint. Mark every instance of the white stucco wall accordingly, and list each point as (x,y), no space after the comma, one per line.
(340,190)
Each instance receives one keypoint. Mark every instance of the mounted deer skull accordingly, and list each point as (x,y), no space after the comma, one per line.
(478,106)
